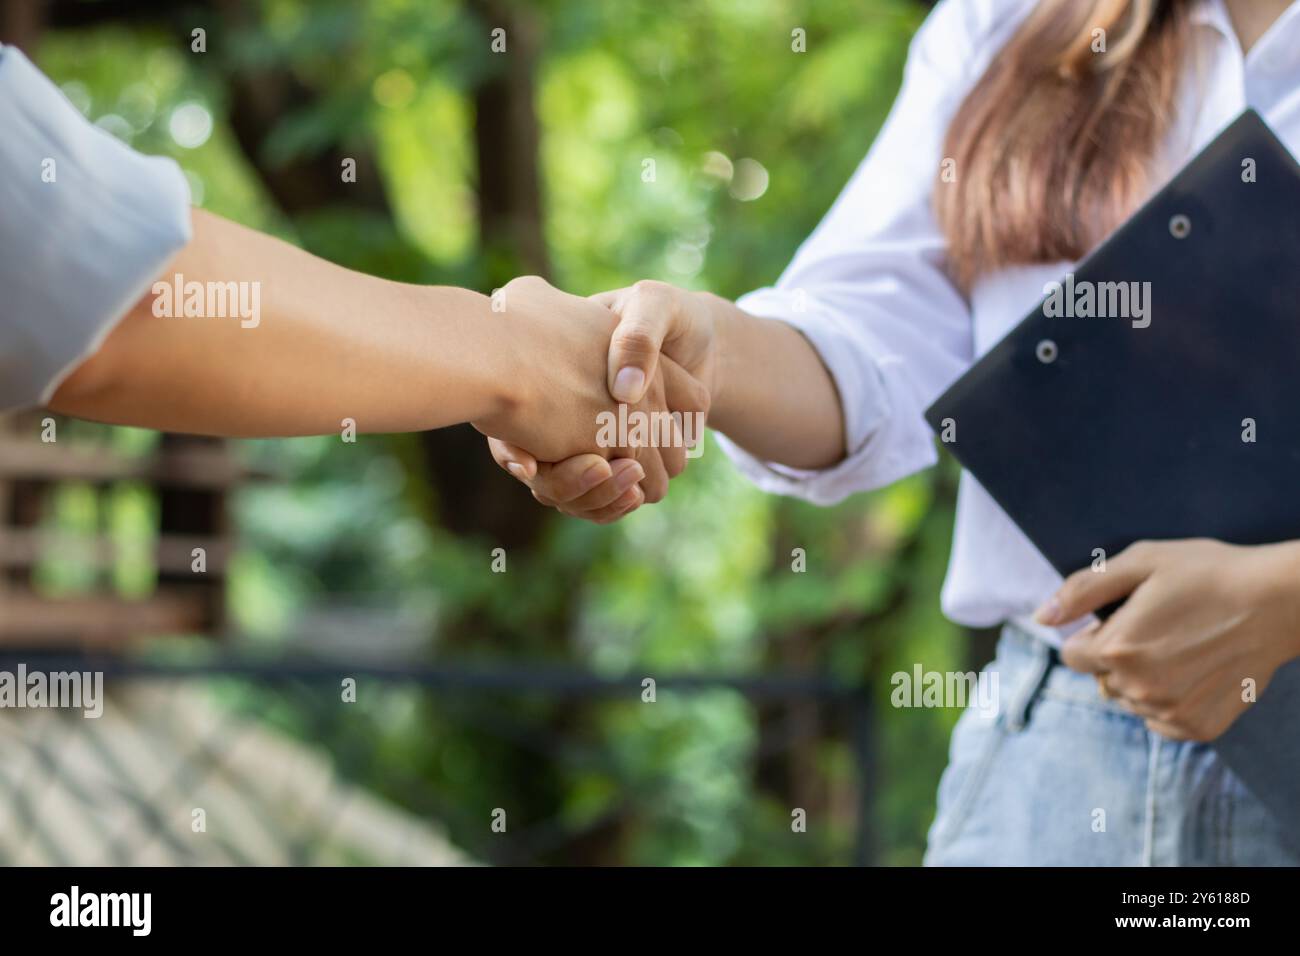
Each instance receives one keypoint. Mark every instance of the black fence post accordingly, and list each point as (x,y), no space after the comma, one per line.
(861,729)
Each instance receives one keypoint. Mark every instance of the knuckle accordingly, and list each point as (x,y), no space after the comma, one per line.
(1075,588)
(1170,731)
(563,485)
(698,398)
(635,338)
(1068,592)
(562,491)
(1142,549)
(1116,652)
(525,286)
(1140,692)
(647,287)
(1188,722)
(1165,715)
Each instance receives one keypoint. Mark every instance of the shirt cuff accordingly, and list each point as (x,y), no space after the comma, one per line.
(879,449)
(87,225)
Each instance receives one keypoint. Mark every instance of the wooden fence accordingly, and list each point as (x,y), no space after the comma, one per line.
(189,479)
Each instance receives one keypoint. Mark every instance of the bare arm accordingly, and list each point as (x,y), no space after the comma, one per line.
(771,392)
(329,344)
(774,397)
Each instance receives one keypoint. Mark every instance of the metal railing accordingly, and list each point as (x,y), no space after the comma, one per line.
(308,686)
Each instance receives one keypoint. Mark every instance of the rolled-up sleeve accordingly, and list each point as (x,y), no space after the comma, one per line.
(870,288)
(86,225)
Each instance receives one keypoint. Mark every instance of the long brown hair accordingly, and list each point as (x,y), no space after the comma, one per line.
(1053,147)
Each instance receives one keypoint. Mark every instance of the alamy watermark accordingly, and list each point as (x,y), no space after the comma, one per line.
(22,689)
(133,911)
(922,688)
(1083,299)
(640,429)
(208,300)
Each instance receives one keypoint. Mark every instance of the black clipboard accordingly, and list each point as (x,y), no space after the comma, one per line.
(1093,426)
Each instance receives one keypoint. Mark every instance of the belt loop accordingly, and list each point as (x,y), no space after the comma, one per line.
(1045,658)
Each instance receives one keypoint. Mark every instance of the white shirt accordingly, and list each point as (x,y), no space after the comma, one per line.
(869,288)
(86,225)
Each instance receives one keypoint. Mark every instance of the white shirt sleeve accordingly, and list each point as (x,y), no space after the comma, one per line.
(86,225)
(869,289)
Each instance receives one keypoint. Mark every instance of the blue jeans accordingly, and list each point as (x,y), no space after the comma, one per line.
(1061,776)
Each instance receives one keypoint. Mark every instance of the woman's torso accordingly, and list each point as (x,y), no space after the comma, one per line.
(995,573)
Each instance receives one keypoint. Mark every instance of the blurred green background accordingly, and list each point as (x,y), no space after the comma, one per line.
(475,166)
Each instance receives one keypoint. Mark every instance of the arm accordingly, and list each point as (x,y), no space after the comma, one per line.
(327,344)
(774,397)
(95,235)
(771,392)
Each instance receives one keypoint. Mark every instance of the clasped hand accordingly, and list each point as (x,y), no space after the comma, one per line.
(579,359)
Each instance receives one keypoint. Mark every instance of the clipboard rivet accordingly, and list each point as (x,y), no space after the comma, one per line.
(1180,227)
(1047,351)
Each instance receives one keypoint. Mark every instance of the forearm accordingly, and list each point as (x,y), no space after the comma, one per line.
(327,344)
(774,396)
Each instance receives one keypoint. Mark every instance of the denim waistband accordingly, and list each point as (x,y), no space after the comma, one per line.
(1031,668)
(1024,664)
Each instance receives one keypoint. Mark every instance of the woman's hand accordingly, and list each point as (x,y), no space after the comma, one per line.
(1204,628)
(657,317)
(652,317)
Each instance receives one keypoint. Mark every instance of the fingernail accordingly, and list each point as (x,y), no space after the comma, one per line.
(628,477)
(628,384)
(592,477)
(517,470)
(1050,612)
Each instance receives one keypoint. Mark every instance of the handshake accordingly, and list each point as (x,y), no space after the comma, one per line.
(604,399)
(593,403)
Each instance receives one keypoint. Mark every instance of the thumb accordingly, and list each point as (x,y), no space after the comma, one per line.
(645,320)
(1087,590)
